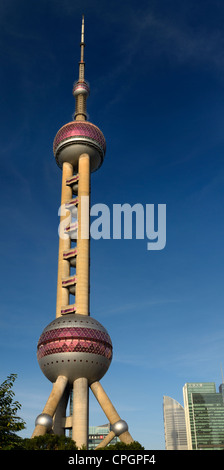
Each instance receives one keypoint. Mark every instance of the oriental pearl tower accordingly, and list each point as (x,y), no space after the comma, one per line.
(75,350)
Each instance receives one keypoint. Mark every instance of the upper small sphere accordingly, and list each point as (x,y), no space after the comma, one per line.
(76,138)
(80,87)
(74,346)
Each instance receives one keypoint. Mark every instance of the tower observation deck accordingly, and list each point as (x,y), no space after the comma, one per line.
(75,350)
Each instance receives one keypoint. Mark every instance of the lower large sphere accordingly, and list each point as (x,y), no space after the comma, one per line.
(74,346)
(76,138)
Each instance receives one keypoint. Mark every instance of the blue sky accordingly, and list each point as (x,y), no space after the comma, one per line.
(156,73)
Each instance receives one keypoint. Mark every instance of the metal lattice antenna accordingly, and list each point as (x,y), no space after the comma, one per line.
(81,87)
(82,46)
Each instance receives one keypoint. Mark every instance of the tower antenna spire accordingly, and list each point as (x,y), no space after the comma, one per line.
(81,87)
(82,46)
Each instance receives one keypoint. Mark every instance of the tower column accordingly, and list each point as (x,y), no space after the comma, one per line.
(64,239)
(80,386)
(80,415)
(82,260)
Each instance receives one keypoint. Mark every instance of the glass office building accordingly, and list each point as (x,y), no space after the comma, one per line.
(174,425)
(204,416)
(97,434)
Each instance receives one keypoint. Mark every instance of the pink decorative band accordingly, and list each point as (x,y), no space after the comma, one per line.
(77,339)
(80,129)
(71,346)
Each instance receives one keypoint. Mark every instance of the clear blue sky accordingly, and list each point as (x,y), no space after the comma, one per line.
(156,72)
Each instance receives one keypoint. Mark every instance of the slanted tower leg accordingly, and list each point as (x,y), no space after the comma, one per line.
(43,420)
(60,414)
(120,427)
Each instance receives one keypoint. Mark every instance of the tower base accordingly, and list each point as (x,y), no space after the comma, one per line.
(52,416)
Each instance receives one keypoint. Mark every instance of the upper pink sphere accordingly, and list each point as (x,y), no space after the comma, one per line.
(80,87)
(76,138)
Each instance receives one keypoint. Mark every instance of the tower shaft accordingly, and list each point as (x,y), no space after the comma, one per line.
(81,229)
(80,416)
(83,246)
(64,240)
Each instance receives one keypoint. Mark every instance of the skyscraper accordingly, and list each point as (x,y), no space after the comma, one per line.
(204,415)
(174,425)
(75,350)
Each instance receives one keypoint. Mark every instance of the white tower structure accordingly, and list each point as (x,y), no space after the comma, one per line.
(75,350)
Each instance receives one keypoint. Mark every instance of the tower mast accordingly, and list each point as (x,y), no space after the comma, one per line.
(81,87)
(82,45)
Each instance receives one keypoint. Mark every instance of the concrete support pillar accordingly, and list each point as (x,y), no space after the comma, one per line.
(106,440)
(52,403)
(80,387)
(60,413)
(64,240)
(80,415)
(109,410)
(82,260)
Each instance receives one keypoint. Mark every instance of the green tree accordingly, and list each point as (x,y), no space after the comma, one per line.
(10,423)
(48,442)
(135,445)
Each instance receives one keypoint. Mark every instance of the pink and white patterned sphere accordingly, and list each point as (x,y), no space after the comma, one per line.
(76,138)
(74,346)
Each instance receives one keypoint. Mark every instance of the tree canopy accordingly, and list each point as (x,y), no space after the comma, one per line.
(135,445)
(48,442)
(10,422)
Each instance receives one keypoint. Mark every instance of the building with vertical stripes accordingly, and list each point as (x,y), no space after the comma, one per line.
(174,425)
(204,416)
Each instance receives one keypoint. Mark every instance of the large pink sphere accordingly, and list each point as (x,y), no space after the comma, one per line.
(74,346)
(76,138)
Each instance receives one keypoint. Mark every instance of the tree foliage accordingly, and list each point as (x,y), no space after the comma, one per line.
(135,445)
(10,423)
(48,442)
